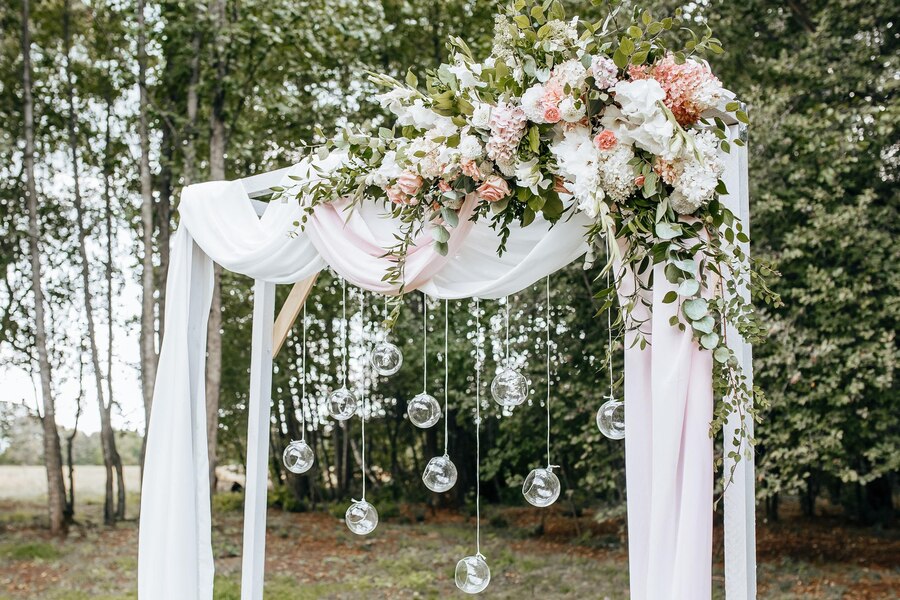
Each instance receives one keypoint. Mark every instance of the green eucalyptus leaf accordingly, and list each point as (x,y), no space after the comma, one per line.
(688,287)
(706,324)
(695,309)
(668,231)
(710,340)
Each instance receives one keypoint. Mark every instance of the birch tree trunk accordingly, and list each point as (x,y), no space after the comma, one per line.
(193,103)
(56,491)
(217,149)
(148,330)
(110,241)
(107,438)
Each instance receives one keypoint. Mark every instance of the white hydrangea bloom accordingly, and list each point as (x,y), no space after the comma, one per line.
(570,73)
(605,72)
(615,172)
(386,172)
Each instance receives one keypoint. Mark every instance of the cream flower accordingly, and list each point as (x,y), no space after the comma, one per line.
(641,120)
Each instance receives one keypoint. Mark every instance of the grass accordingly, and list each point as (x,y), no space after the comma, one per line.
(312,556)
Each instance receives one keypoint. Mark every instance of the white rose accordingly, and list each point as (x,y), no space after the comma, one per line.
(481,117)
(571,111)
(528,174)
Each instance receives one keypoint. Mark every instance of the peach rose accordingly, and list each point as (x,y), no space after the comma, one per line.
(639,180)
(551,114)
(395,195)
(605,140)
(444,186)
(493,189)
(409,183)
(470,168)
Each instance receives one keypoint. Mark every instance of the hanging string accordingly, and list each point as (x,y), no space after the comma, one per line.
(424,343)
(548,372)
(446,370)
(507,332)
(303,383)
(362,337)
(344,327)
(477,427)
(609,348)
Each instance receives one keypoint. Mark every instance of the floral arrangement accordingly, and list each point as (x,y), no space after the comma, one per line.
(569,116)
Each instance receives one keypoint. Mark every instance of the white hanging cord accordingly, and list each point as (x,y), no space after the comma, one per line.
(507,332)
(548,372)
(344,327)
(609,350)
(446,370)
(477,428)
(424,343)
(303,384)
(362,337)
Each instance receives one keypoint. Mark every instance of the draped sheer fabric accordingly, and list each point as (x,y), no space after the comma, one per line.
(668,385)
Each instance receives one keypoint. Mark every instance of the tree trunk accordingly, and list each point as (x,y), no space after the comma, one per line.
(106,437)
(148,329)
(56,490)
(70,440)
(164,223)
(193,103)
(110,237)
(217,150)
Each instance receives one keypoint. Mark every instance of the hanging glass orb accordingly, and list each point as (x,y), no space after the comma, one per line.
(298,457)
(509,388)
(440,474)
(611,419)
(342,404)
(386,358)
(541,487)
(472,574)
(423,410)
(361,517)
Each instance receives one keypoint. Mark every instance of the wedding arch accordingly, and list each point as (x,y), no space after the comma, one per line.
(532,159)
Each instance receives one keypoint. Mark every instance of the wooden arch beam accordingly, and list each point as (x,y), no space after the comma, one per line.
(289,312)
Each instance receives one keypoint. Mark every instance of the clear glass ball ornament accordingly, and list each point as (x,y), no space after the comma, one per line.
(541,487)
(298,457)
(423,410)
(509,388)
(473,574)
(611,419)
(342,404)
(440,474)
(361,517)
(386,358)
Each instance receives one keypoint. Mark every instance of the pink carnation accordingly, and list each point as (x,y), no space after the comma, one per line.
(605,140)
(493,189)
(409,183)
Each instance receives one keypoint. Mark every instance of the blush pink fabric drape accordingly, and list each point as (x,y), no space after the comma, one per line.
(668,452)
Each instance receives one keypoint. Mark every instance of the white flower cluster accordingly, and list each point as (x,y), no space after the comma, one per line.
(641,120)
(697,173)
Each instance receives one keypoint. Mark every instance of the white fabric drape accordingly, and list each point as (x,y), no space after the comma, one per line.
(219,223)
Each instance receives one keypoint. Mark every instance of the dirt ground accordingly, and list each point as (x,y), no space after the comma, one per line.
(412,554)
